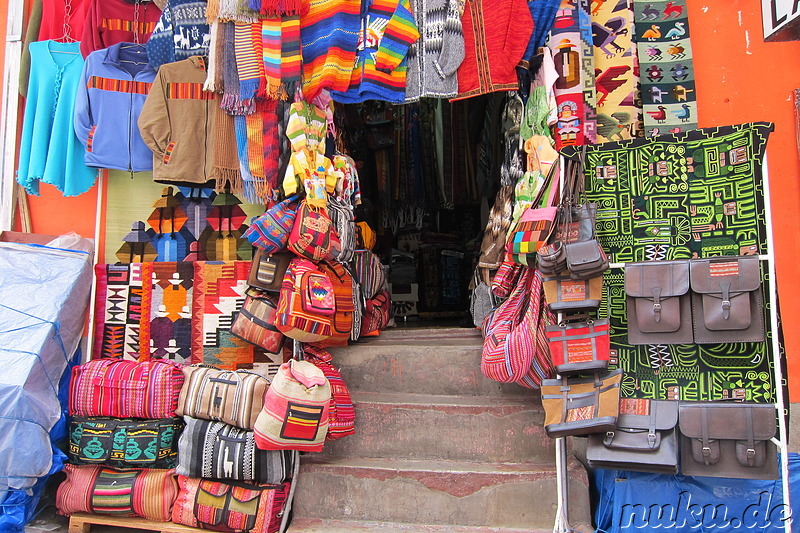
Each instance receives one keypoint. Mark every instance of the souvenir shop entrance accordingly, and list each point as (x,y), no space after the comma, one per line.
(428,171)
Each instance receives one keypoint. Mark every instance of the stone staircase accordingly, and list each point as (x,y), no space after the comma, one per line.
(438,447)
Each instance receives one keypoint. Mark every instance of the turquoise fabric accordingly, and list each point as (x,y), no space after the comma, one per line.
(49,149)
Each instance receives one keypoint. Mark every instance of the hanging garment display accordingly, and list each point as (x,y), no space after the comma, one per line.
(117,21)
(63,21)
(49,151)
(387,31)
(489,63)
(113,88)
(574,88)
(641,187)
(665,63)
(181,32)
(435,57)
(615,62)
(177,123)
(329,35)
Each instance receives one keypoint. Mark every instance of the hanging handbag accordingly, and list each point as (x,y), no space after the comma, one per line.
(377,313)
(481,300)
(124,442)
(580,346)
(369,272)
(270,231)
(728,440)
(217,450)
(344,224)
(293,319)
(267,270)
(255,321)
(120,388)
(342,415)
(313,235)
(296,409)
(536,225)
(726,299)
(645,439)
(507,278)
(493,245)
(581,406)
(234,397)
(145,492)
(551,258)
(658,302)
(564,294)
(234,506)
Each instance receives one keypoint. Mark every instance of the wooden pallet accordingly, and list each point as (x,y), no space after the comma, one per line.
(83,522)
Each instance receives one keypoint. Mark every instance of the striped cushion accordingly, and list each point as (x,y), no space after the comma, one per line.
(216,450)
(146,492)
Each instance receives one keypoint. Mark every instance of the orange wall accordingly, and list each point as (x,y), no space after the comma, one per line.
(740,78)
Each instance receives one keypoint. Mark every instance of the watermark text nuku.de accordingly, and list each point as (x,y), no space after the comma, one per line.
(685,515)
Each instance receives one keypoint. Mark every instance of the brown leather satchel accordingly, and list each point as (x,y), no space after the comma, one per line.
(645,439)
(563,293)
(658,302)
(580,406)
(728,440)
(727,300)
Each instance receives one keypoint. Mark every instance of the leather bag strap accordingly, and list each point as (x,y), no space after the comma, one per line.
(706,441)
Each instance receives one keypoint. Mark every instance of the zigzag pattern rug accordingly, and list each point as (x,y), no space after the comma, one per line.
(687,195)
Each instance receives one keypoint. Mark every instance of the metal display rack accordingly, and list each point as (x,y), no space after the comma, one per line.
(562,513)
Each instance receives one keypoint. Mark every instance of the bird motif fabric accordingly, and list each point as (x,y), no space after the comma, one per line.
(616,79)
(665,63)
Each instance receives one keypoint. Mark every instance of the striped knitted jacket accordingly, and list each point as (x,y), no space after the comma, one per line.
(329,37)
(388,30)
(434,59)
(181,32)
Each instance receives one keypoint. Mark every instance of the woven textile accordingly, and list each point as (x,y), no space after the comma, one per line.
(689,195)
(271,55)
(616,82)
(665,59)
(248,62)
(293,320)
(342,414)
(270,231)
(120,389)
(217,450)
(231,397)
(291,58)
(343,289)
(575,86)
(296,409)
(218,295)
(146,492)
(124,443)
(143,311)
(215,505)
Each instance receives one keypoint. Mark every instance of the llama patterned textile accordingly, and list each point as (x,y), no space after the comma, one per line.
(181,32)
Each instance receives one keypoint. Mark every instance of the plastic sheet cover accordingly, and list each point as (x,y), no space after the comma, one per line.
(44,293)
(634,501)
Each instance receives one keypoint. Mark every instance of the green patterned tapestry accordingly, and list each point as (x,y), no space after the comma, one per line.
(685,195)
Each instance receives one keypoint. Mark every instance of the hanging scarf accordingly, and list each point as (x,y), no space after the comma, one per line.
(212,11)
(240,126)
(276,8)
(214,57)
(247,62)
(261,137)
(226,159)
(232,102)
(271,143)
(237,10)
(271,55)
(291,58)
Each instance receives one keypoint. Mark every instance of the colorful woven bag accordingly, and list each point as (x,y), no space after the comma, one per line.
(296,409)
(294,319)
(345,303)
(342,418)
(344,223)
(121,389)
(515,345)
(216,450)
(270,231)
(241,507)
(144,492)
(313,235)
(369,272)
(124,443)
(255,322)
(377,312)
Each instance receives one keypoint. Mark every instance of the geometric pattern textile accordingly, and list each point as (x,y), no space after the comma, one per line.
(686,195)
(665,63)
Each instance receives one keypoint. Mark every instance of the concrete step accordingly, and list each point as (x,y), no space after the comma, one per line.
(316,525)
(460,428)
(446,493)
(421,362)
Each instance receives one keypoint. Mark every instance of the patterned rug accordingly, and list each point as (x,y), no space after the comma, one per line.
(665,63)
(616,76)
(687,195)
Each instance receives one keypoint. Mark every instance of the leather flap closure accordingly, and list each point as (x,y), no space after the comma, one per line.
(726,275)
(632,440)
(584,252)
(659,415)
(728,421)
(657,279)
